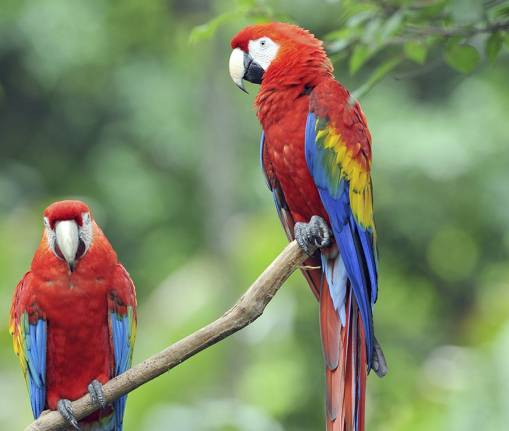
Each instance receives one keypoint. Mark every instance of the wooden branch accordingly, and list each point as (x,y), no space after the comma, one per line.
(247,309)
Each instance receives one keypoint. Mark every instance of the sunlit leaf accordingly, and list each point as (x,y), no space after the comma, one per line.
(206,31)
(341,39)
(338,45)
(380,72)
(343,33)
(360,55)
(391,26)
(463,58)
(416,51)
(370,30)
(493,46)
(360,18)
(501,10)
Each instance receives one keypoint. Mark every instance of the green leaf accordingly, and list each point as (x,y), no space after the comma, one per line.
(501,10)
(416,51)
(506,39)
(493,46)
(390,27)
(360,18)
(463,58)
(370,31)
(379,73)
(360,55)
(339,40)
(207,30)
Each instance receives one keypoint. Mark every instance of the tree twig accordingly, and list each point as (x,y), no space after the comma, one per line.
(465,31)
(247,309)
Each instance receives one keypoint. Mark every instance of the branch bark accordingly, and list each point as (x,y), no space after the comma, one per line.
(247,309)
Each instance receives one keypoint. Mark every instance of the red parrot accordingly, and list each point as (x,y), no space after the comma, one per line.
(316,155)
(73,318)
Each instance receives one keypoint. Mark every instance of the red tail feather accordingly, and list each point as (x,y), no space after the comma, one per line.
(344,351)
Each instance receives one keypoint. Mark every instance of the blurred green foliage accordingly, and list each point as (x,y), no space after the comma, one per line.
(387,33)
(110,103)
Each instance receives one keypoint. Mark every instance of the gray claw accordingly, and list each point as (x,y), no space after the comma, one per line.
(95,389)
(312,235)
(379,364)
(301,236)
(65,409)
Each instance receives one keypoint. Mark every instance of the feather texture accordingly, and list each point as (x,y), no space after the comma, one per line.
(316,155)
(342,178)
(29,342)
(122,324)
(72,327)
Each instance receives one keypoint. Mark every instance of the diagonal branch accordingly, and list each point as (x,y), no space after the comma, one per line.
(247,309)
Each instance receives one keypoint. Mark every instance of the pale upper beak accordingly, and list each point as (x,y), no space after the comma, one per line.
(244,67)
(68,239)
(237,68)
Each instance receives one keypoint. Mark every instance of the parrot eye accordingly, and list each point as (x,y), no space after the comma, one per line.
(263,51)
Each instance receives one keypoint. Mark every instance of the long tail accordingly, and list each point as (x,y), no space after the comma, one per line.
(344,348)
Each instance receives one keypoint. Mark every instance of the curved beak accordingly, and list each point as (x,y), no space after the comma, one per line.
(68,239)
(243,67)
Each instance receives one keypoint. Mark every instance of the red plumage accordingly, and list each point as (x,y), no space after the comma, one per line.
(75,304)
(299,79)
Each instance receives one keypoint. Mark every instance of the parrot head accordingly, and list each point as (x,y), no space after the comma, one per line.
(277,50)
(68,231)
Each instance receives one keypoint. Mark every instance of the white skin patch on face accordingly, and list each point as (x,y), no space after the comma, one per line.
(86,230)
(263,51)
(50,234)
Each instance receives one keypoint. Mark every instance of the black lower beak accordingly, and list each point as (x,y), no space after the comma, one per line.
(253,71)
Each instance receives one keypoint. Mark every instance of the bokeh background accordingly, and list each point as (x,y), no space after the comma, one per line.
(109,102)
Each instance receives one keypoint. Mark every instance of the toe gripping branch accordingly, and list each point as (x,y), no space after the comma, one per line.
(65,409)
(312,235)
(95,389)
(317,234)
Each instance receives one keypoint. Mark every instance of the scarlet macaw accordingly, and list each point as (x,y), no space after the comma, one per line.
(73,318)
(316,155)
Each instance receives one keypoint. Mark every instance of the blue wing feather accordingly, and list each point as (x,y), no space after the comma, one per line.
(123,341)
(354,242)
(35,345)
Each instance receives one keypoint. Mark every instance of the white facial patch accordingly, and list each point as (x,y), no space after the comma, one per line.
(263,51)
(84,233)
(86,230)
(50,234)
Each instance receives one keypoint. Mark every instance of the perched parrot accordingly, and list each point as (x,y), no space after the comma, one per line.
(73,318)
(316,155)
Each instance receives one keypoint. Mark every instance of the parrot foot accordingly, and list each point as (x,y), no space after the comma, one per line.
(379,363)
(95,389)
(65,409)
(312,235)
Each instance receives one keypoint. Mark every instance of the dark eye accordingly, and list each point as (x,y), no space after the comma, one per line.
(263,42)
